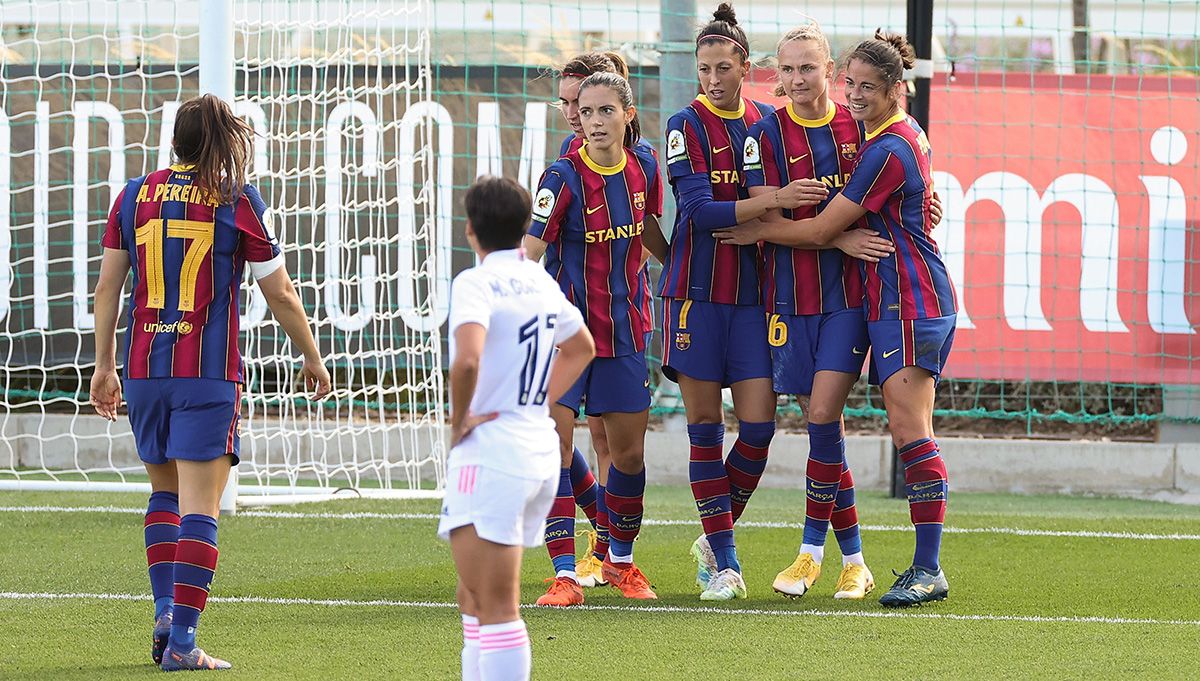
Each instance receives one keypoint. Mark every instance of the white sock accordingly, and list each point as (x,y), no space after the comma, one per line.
(567,573)
(504,653)
(855,558)
(818,552)
(470,651)
(615,558)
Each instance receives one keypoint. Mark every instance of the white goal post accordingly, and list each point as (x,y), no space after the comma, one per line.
(339,95)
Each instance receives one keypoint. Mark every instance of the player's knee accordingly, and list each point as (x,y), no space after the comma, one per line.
(822,413)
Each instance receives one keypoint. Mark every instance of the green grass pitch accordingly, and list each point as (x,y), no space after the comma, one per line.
(371,597)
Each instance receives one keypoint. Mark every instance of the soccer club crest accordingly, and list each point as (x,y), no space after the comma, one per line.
(683,340)
(639,200)
(543,203)
(849,150)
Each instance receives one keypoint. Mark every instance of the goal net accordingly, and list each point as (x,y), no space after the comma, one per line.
(346,158)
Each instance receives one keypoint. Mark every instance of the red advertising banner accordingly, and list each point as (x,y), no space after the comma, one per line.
(1071,224)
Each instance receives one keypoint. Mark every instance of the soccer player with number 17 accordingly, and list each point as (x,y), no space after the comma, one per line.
(506,317)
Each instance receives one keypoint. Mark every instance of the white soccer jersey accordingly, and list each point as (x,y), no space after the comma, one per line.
(526,316)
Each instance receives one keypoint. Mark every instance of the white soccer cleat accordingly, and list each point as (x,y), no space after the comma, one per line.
(706,561)
(726,585)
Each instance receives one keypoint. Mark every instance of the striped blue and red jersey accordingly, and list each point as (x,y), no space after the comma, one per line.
(592,218)
(187,255)
(784,147)
(892,181)
(574,143)
(704,163)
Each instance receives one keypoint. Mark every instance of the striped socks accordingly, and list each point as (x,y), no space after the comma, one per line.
(746,461)
(504,653)
(624,498)
(710,489)
(161,532)
(560,528)
(470,651)
(195,565)
(845,519)
(925,482)
(583,486)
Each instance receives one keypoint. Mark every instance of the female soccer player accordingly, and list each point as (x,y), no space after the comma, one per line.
(818,336)
(576,479)
(595,212)
(186,231)
(910,307)
(715,332)
(506,317)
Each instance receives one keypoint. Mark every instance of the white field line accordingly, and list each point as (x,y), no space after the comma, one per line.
(1014,531)
(382,603)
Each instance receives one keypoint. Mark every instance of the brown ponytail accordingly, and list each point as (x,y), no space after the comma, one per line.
(217,143)
(585,64)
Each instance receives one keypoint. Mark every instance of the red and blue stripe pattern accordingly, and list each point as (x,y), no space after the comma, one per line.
(705,141)
(592,218)
(892,180)
(187,257)
(802,281)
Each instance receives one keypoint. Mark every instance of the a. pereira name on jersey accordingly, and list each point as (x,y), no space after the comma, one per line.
(181,326)
(612,233)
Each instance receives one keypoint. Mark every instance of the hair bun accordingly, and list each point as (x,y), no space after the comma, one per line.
(725,13)
(908,56)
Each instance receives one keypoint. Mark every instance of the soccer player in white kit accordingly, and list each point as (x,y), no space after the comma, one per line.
(507,315)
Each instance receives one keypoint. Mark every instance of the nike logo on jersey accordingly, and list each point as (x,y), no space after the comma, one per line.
(795,159)
(717,150)
(889,353)
(856,351)
(593,210)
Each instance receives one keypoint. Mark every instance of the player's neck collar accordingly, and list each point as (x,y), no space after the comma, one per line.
(896,118)
(731,115)
(603,170)
(182,167)
(505,254)
(812,122)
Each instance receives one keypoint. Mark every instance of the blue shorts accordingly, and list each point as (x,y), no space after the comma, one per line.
(802,345)
(611,384)
(184,418)
(899,343)
(714,342)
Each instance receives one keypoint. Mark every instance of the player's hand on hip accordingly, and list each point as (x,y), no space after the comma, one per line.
(864,244)
(461,430)
(316,378)
(105,393)
(802,193)
(742,235)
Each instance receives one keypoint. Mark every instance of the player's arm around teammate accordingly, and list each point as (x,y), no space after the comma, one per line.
(183,366)
(507,317)
(910,307)
(715,332)
(817,332)
(590,213)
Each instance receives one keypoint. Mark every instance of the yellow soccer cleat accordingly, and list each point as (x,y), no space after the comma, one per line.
(855,582)
(590,572)
(799,577)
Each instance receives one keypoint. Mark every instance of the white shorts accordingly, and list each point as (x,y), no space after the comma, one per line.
(504,508)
